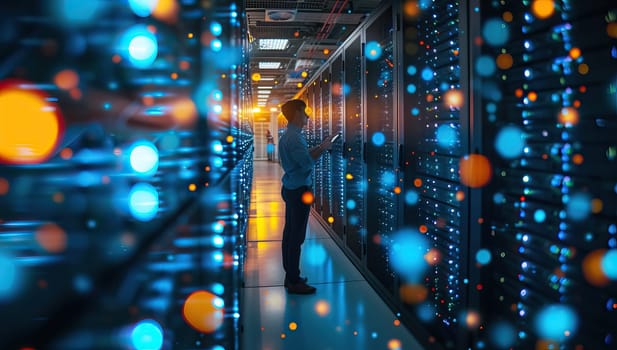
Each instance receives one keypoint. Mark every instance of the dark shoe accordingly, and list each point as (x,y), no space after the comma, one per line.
(300,288)
(301,280)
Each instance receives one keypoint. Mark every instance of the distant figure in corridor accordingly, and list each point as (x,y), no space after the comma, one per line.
(297,161)
(270,145)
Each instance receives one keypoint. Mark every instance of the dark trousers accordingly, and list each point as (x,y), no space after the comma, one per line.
(294,232)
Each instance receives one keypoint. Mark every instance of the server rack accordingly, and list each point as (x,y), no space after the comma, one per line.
(96,254)
(433,144)
(326,159)
(552,201)
(380,146)
(337,199)
(505,165)
(353,152)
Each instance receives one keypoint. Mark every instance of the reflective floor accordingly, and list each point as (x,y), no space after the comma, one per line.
(345,313)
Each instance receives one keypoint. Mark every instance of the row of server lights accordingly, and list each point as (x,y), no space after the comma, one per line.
(124,168)
(476,179)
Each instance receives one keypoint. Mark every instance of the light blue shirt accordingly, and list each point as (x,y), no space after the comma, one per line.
(295,159)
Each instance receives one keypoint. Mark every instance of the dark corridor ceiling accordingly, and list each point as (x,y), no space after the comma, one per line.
(314,30)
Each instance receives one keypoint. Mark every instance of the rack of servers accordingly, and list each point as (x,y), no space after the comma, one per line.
(475,182)
(125,174)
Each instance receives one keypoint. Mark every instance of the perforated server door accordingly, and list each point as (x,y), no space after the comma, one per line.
(549,107)
(380,145)
(317,129)
(434,198)
(354,139)
(309,130)
(326,159)
(337,200)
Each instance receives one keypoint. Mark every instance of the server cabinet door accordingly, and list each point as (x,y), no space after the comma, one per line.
(326,159)
(380,146)
(434,199)
(317,129)
(551,125)
(354,146)
(337,199)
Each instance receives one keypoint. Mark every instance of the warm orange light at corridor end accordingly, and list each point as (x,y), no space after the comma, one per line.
(30,125)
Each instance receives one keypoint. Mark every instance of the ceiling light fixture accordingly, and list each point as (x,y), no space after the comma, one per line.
(273,44)
(269,65)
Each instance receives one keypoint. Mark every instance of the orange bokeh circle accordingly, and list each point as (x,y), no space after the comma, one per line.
(475,170)
(201,312)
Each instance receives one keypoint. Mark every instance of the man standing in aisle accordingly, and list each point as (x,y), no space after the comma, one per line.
(297,161)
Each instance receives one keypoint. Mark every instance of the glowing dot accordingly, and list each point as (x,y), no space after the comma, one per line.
(411,9)
(166,10)
(495,32)
(31,126)
(51,237)
(543,8)
(4,186)
(413,293)
(326,51)
(502,334)
(142,47)
(147,335)
(184,65)
(609,264)
(433,256)
(575,53)
(373,50)
(411,197)
(66,153)
(143,201)
(427,74)
(395,344)
(256,77)
(611,29)
(460,195)
(417,182)
(577,159)
(532,96)
(378,139)
(192,187)
(592,268)
(322,308)
(485,66)
(397,190)
(554,321)
(518,93)
(505,61)
(397,323)
(539,215)
(472,319)
(144,158)
(568,116)
(475,170)
(507,16)
(446,136)
(66,79)
(596,205)
(299,85)
(142,8)
(293,326)
(453,98)
(583,68)
(483,256)
(407,254)
(308,198)
(510,142)
(578,206)
(203,311)
(330,219)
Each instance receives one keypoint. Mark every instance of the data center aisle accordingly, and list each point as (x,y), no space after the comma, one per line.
(345,313)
